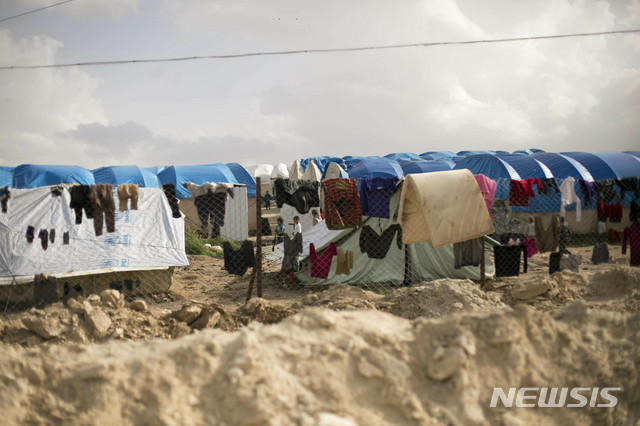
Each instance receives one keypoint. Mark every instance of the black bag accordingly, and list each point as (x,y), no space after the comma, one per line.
(507,259)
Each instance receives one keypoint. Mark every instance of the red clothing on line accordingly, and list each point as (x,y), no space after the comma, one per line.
(522,190)
(320,265)
(488,188)
(342,205)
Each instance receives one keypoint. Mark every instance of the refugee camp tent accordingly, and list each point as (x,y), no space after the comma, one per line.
(120,175)
(492,167)
(528,151)
(37,175)
(607,165)
(6,176)
(562,166)
(321,162)
(410,263)
(296,171)
(334,171)
(280,170)
(236,218)
(437,155)
(312,172)
(634,153)
(407,156)
(370,167)
(424,166)
(242,176)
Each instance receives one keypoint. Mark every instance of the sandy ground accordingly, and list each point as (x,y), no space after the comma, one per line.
(430,353)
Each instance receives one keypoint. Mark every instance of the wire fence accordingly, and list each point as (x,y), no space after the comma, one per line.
(307,235)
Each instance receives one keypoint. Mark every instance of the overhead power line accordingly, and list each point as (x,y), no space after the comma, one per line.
(34,11)
(295,52)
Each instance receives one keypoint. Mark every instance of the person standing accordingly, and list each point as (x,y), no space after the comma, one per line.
(267,200)
(317,218)
(280,231)
(297,227)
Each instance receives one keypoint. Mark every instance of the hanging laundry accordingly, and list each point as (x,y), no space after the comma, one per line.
(101,196)
(345,262)
(292,249)
(80,201)
(342,206)
(467,253)
(631,236)
(237,262)
(488,188)
(320,265)
(547,237)
(613,212)
(522,190)
(126,192)
(30,234)
(65,238)
(634,212)
(44,238)
(589,191)
(548,184)
(170,192)
(5,195)
(568,196)
(606,191)
(600,211)
(196,190)
(376,246)
(507,260)
(52,236)
(630,184)
(375,196)
(301,194)
(211,204)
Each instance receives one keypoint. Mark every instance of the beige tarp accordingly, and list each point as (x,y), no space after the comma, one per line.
(442,207)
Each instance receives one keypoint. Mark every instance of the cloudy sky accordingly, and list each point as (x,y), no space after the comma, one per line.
(571,94)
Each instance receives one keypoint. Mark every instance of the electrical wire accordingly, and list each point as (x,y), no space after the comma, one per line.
(295,52)
(33,11)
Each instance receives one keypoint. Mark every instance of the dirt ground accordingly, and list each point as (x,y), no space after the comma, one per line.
(429,353)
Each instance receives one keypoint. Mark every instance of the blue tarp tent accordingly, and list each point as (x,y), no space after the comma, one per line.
(408,156)
(424,166)
(243,176)
(607,165)
(526,166)
(437,155)
(179,175)
(35,175)
(370,167)
(119,175)
(562,166)
(634,153)
(322,162)
(528,151)
(6,176)
(492,167)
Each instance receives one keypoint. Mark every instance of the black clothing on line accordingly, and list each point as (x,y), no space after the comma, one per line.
(79,201)
(467,253)
(170,192)
(212,203)
(301,194)
(237,262)
(376,246)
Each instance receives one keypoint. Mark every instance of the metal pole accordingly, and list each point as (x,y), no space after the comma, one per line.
(482,272)
(258,265)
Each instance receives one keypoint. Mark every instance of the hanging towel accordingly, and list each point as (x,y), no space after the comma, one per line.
(522,190)
(345,262)
(569,196)
(547,238)
(488,188)
(320,265)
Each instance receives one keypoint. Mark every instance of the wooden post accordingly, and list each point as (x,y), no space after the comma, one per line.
(482,272)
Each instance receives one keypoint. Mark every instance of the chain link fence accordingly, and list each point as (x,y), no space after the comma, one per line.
(350,234)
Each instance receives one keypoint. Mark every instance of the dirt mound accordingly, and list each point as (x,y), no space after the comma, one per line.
(343,367)
(616,282)
(265,311)
(342,297)
(438,298)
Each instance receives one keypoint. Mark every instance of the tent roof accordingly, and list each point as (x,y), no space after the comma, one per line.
(178,175)
(437,155)
(563,166)
(403,156)
(371,167)
(489,165)
(334,171)
(242,176)
(6,176)
(280,170)
(119,175)
(526,166)
(312,172)
(36,175)
(322,162)
(424,166)
(607,165)
(634,153)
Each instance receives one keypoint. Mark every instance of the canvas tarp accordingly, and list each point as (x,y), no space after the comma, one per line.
(144,238)
(443,208)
